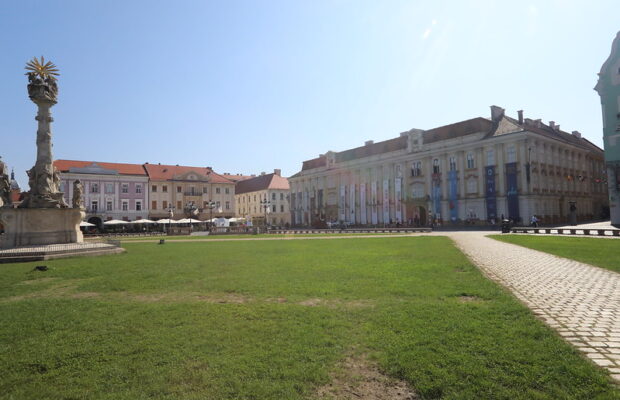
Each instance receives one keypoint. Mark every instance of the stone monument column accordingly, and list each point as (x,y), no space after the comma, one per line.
(43,217)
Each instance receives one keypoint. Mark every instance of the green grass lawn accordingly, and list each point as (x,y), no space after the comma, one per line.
(273,320)
(248,236)
(600,252)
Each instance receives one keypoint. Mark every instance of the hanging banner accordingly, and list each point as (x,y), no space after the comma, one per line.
(341,203)
(512,194)
(490,192)
(386,201)
(437,198)
(397,199)
(453,205)
(352,203)
(373,195)
(363,207)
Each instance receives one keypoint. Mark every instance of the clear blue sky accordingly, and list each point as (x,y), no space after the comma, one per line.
(248,86)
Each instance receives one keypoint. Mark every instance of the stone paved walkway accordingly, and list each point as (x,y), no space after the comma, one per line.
(578,300)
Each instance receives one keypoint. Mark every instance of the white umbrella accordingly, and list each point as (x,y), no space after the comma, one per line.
(166,221)
(142,221)
(236,219)
(84,223)
(115,222)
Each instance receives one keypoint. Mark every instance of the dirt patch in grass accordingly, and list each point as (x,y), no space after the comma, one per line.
(358,378)
(85,295)
(469,299)
(36,281)
(335,303)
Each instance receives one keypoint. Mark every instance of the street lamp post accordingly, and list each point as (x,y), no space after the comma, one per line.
(210,205)
(190,209)
(265,204)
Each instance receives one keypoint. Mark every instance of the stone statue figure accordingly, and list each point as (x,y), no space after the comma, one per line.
(5,186)
(78,193)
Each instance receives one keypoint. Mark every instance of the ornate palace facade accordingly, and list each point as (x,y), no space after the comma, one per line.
(472,171)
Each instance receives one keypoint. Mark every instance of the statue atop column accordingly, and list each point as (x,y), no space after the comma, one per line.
(43,178)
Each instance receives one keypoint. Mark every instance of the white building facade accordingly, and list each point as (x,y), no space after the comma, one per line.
(471,172)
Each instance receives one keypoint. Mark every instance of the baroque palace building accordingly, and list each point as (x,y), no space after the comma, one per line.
(474,171)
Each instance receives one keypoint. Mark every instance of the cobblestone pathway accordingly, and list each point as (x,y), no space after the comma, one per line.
(578,300)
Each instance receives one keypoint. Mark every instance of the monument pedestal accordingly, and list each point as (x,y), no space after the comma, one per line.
(40,226)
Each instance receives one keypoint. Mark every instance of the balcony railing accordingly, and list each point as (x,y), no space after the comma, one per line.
(195,193)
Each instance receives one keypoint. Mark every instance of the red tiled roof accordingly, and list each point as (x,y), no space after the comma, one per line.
(123,169)
(457,129)
(314,163)
(385,146)
(262,182)
(169,172)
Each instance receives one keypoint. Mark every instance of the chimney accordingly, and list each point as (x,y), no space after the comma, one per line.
(577,134)
(277,171)
(402,134)
(552,124)
(262,173)
(520,112)
(496,113)
(557,128)
(538,122)
(368,142)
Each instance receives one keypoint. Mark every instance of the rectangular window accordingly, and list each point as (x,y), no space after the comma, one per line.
(164,188)
(228,205)
(108,206)
(217,205)
(416,168)
(217,190)
(109,188)
(204,190)
(125,188)
(125,206)
(227,190)
(179,189)
(452,163)
(94,206)
(470,161)
(490,158)
(62,186)
(94,188)
(281,207)
(281,196)
(138,206)
(154,205)
(179,205)
(436,169)
(273,196)
(154,188)
(138,188)
(164,204)
(273,208)
(511,154)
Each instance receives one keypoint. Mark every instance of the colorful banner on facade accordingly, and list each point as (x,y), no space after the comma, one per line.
(512,195)
(342,203)
(352,203)
(491,198)
(386,201)
(300,208)
(437,197)
(373,194)
(397,199)
(453,202)
(363,208)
